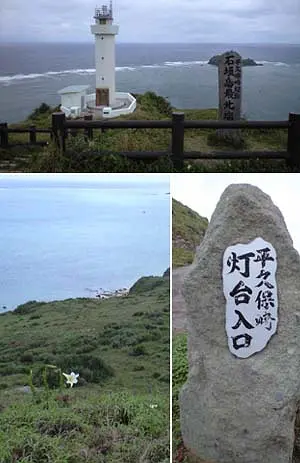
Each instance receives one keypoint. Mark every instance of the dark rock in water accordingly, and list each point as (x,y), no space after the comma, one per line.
(215,60)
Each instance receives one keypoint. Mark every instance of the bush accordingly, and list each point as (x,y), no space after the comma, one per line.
(151,101)
(90,368)
(28,307)
(137,351)
(27,357)
(42,109)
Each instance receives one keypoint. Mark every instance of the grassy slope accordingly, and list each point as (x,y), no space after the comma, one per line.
(85,156)
(120,347)
(188,229)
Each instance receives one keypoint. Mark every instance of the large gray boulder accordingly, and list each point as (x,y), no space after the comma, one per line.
(241,410)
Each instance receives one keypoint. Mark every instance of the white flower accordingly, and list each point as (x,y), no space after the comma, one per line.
(72,378)
(153,405)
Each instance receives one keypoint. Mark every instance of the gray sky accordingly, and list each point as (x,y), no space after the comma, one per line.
(231,21)
(201,192)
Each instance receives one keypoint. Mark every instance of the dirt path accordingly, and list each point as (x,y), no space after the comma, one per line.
(178,302)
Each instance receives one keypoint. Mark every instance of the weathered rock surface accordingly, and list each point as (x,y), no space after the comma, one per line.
(178,302)
(236,410)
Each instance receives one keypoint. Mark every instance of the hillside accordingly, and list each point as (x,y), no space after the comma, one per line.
(119,409)
(83,156)
(188,229)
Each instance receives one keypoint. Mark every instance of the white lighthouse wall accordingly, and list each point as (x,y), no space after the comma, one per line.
(105,68)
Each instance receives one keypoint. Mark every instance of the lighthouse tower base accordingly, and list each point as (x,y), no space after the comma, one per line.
(124,103)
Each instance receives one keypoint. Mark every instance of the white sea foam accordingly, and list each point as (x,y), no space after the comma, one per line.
(184,63)
(6,80)
(16,77)
(45,74)
(151,66)
(273,63)
(125,68)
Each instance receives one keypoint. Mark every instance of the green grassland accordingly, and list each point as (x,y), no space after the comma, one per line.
(188,229)
(119,410)
(83,156)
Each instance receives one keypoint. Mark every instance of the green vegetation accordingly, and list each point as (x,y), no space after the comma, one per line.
(119,409)
(188,229)
(92,156)
(179,377)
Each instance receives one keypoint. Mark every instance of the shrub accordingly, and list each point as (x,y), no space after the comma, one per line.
(27,357)
(42,109)
(137,351)
(28,307)
(151,101)
(90,368)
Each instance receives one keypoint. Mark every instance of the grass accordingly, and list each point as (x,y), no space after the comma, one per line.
(119,410)
(82,156)
(188,229)
(179,377)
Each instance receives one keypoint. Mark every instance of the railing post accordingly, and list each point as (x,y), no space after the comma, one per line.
(3,135)
(32,134)
(178,140)
(88,133)
(58,128)
(294,140)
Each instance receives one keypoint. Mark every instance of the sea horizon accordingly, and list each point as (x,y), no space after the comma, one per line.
(70,236)
(31,74)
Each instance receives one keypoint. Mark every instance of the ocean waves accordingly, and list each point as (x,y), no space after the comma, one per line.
(6,80)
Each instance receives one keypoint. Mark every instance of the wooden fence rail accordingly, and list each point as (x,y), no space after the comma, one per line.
(32,131)
(61,127)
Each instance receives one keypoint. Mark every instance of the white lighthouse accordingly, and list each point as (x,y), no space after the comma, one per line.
(106,101)
(105,32)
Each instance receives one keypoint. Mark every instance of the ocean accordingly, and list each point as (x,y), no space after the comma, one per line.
(33,73)
(68,236)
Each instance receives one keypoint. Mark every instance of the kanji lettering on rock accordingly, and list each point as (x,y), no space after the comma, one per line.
(230,75)
(250,290)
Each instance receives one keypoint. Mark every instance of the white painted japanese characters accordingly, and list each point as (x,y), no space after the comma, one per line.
(250,290)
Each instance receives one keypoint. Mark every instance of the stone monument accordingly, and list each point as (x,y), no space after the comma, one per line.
(240,401)
(230,93)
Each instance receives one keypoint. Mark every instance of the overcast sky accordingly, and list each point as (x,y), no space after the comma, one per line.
(201,192)
(231,21)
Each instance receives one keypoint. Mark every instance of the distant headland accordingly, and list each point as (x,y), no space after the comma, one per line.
(214,60)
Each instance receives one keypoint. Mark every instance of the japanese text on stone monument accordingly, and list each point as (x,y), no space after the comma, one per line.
(230,76)
(250,290)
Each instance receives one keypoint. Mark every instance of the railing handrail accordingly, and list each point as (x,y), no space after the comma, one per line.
(168,124)
(60,129)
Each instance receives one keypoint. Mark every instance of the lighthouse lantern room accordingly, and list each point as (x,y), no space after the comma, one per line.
(105,32)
